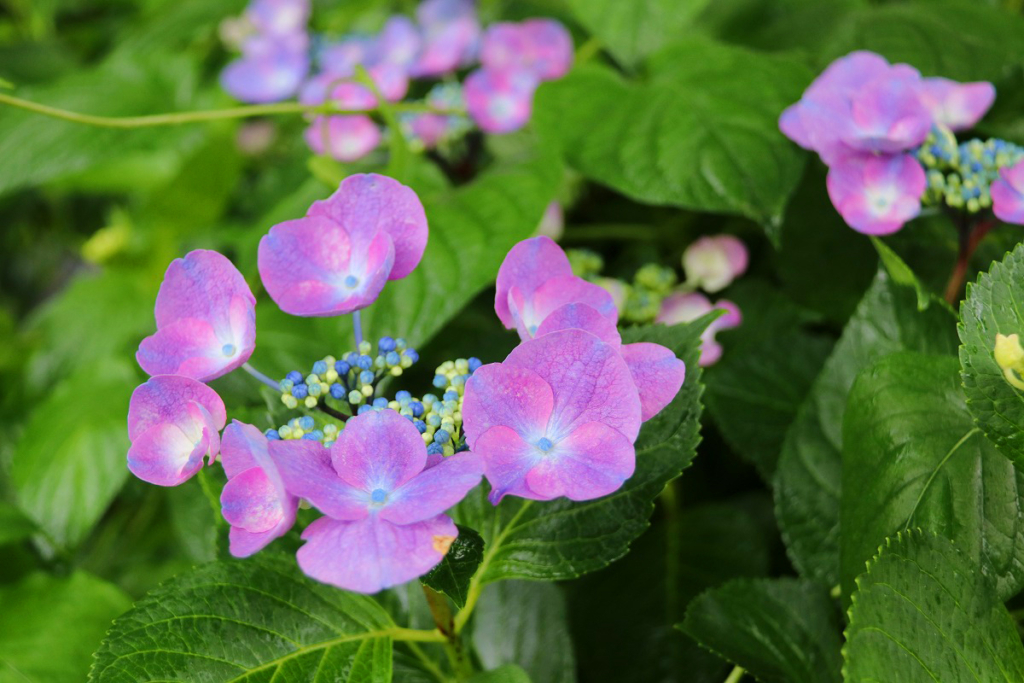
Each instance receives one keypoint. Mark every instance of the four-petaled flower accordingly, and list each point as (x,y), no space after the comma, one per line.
(384,520)
(205,319)
(339,256)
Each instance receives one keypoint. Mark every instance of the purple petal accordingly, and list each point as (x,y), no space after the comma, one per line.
(279,17)
(588,377)
(265,78)
(310,267)
(171,399)
(391,80)
(957,106)
(398,43)
(378,450)
(592,461)
(527,266)
(578,316)
(342,57)
(500,100)
(658,375)
(507,457)
(1008,194)
(540,46)
(876,195)
(451,32)
(242,447)
(847,74)
(683,308)
(306,471)
(242,543)
(345,138)
(529,311)
(339,88)
(202,285)
(433,490)
(166,456)
(373,554)
(190,347)
(500,394)
(250,500)
(367,204)
(887,114)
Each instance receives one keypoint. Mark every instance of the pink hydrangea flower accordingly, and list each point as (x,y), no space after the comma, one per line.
(558,417)
(270,69)
(541,46)
(450,34)
(712,263)
(876,195)
(173,423)
(398,43)
(535,280)
(338,257)
(500,100)
(384,520)
(957,106)
(1008,194)
(345,138)
(342,57)
(684,308)
(205,320)
(279,17)
(254,501)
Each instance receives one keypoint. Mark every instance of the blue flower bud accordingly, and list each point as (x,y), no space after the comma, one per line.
(417,408)
(364,362)
(300,391)
(364,409)
(272,435)
(400,343)
(392,358)
(399,395)
(306,423)
(380,402)
(420,425)
(440,381)
(434,420)
(342,368)
(441,436)
(366,377)
(474,363)
(295,377)
(451,395)
(337,391)
(411,355)
(286,385)
(311,437)
(435,449)
(319,367)
(386,344)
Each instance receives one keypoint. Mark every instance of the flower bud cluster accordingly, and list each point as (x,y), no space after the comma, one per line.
(305,428)
(960,175)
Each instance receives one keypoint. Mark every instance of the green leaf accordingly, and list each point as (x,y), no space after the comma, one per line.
(808,479)
(510,673)
(524,623)
(471,230)
(901,273)
(631,31)
(628,635)
(562,539)
(992,307)
(14,525)
(925,612)
(51,625)
(249,620)
(69,462)
(779,630)
(754,395)
(912,457)
(702,133)
(964,41)
(452,576)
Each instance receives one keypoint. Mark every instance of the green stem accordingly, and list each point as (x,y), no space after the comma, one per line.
(588,50)
(735,675)
(670,508)
(398,162)
(453,647)
(413,635)
(211,496)
(429,664)
(176,119)
(476,583)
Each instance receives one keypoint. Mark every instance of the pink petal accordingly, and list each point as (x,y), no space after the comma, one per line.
(306,471)
(712,263)
(887,115)
(1008,194)
(433,490)
(592,461)
(202,285)
(957,106)
(373,554)
(527,266)
(500,394)
(588,377)
(876,195)
(309,267)
(250,500)
(540,46)
(166,399)
(165,455)
(507,457)
(500,100)
(378,450)
(529,311)
(683,308)
(658,375)
(367,204)
(345,138)
(265,78)
(578,316)
(242,543)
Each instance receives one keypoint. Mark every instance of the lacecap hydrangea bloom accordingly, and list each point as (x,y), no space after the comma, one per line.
(338,257)
(865,118)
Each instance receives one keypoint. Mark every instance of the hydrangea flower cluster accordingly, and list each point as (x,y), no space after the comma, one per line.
(445,38)
(711,264)
(558,417)
(886,134)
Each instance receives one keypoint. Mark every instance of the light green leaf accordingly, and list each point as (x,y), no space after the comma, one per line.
(69,462)
(510,673)
(561,539)
(779,630)
(701,133)
(525,623)
(452,576)
(49,626)
(993,306)
(14,525)
(912,457)
(633,30)
(808,480)
(901,273)
(964,41)
(249,620)
(925,612)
